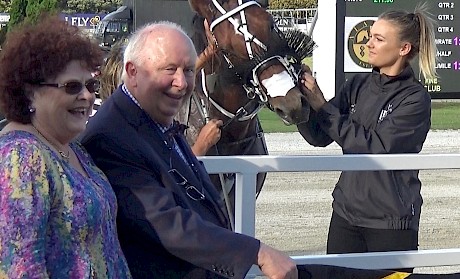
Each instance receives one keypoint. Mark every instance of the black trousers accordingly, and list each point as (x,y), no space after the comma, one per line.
(345,238)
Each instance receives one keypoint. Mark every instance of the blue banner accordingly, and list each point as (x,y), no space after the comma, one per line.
(86,21)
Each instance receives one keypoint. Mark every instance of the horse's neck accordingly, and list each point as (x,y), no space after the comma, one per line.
(230,96)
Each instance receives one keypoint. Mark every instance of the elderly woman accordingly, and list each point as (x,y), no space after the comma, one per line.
(57,209)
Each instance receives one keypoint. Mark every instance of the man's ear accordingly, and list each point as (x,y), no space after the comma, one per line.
(130,68)
(131,72)
(405,49)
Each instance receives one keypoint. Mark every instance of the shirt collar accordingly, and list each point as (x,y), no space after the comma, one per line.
(127,93)
(174,126)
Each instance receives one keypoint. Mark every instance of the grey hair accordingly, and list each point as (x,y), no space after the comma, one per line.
(417,28)
(134,50)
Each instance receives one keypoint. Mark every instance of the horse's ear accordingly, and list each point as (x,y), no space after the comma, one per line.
(192,6)
(202,7)
(263,3)
(195,4)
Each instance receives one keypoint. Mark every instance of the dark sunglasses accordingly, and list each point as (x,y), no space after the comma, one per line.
(191,191)
(75,87)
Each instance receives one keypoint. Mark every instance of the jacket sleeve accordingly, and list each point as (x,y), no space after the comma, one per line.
(403,130)
(312,132)
(152,208)
(24,210)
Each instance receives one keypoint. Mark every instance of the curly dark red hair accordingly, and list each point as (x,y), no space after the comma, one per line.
(33,53)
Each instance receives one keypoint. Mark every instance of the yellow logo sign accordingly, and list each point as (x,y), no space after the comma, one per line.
(94,20)
(359,36)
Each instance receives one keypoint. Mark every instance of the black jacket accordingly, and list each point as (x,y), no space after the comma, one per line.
(376,114)
(163,233)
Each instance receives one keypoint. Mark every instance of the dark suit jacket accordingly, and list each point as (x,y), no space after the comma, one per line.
(163,233)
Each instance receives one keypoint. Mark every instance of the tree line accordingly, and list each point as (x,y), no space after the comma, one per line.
(66,6)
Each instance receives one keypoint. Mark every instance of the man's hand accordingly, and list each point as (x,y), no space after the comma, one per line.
(275,264)
(209,135)
(310,89)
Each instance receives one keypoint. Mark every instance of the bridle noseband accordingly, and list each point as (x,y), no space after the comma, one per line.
(252,85)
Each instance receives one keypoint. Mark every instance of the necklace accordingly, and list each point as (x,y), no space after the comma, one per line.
(64,155)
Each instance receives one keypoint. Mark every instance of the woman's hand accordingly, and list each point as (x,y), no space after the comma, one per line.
(209,135)
(310,89)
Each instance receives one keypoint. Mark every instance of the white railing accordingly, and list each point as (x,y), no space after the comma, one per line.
(247,167)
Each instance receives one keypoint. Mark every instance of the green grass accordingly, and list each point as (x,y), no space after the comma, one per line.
(444,115)
(271,123)
(308,61)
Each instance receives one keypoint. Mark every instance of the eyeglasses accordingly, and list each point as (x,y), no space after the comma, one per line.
(191,191)
(75,87)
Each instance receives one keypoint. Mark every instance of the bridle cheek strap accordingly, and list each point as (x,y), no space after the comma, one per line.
(240,115)
(243,27)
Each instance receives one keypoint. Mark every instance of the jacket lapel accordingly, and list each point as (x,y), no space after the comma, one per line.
(202,178)
(149,132)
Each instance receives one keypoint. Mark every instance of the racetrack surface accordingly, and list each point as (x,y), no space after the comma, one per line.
(293,209)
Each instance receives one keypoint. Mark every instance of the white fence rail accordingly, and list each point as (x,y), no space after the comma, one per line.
(247,167)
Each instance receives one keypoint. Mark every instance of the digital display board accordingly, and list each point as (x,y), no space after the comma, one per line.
(359,16)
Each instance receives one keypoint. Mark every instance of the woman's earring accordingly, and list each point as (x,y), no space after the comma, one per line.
(31,109)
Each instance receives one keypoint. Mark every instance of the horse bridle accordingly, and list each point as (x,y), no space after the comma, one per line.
(253,86)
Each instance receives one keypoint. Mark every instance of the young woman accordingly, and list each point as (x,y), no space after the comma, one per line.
(386,111)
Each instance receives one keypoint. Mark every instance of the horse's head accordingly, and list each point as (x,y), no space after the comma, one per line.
(265,60)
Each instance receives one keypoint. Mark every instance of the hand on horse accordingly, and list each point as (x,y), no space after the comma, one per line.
(275,264)
(209,135)
(310,89)
(209,51)
(209,36)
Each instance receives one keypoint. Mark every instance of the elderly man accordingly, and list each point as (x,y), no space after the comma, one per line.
(171,221)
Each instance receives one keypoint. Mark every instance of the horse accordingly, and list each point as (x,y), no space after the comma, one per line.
(245,63)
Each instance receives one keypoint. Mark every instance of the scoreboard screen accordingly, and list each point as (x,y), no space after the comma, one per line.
(359,16)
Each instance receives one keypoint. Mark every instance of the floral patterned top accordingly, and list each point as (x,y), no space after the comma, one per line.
(54,221)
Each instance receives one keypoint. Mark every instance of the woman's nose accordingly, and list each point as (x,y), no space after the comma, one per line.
(369,42)
(85,94)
